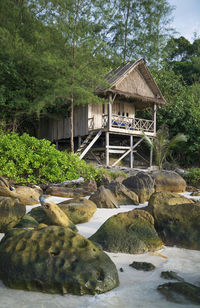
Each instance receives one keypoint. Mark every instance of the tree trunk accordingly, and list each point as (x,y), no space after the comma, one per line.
(72,124)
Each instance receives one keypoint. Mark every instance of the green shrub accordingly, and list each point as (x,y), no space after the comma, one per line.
(28,159)
(192,177)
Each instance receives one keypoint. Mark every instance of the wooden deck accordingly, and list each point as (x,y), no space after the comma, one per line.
(125,125)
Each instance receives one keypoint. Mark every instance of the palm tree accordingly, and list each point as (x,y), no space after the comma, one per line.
(162,146)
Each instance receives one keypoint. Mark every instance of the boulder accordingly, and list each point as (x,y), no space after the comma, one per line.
(55,260)
(142,184)
(79,210)
(180,292)
(122,194)
(168,181)
(103,197)
(11,212)
(177,219)
(129,232)
(143,266)
(55,214)
(84,189)
(25,194)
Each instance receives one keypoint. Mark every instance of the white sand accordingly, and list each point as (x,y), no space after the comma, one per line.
(137,288)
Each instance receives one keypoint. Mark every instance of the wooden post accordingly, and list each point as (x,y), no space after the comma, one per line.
(57,144)
(107,149)
(110,112)
(151,157)
(154,108)
(79,141)
(131,153)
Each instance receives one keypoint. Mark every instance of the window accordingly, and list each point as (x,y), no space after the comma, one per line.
(127,114)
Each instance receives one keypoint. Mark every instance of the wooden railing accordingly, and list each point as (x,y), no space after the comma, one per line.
(122,122)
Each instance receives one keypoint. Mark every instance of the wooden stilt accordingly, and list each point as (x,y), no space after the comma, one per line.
(107,149)
(131,153)
(79,141)
(151,157)
(57,144)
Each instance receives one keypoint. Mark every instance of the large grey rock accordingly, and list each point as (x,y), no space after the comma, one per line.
(142,184)
(168,181)
(129,232)
(11,212)
(177,219)
(103,197)
(122,194)
(55,260)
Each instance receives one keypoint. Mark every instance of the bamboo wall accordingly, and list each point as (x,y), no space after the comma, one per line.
(56,129)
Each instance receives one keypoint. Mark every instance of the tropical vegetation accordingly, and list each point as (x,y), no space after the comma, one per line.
(53,54)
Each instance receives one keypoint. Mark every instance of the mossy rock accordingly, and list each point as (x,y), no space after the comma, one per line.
(11,212)
(168,181)
(180,292)
(27,222)
(177,219)
(79,210)
(170,275)
(39,214)
(55,260)
(130,232)
(143,266)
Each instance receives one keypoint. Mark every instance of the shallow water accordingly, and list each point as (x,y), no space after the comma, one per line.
(137,288)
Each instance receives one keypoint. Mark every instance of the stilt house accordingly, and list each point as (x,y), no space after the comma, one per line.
(131,88)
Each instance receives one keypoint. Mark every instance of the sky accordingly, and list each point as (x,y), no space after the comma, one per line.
(186,17)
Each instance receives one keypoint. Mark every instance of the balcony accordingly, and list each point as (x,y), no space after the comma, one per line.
(125,124)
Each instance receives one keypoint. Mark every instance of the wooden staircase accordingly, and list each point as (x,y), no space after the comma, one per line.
(88,143)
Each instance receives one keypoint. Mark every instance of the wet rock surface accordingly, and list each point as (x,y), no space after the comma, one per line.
(55,260)
(130,232)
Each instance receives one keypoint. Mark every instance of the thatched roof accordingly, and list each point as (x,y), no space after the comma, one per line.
(141,100)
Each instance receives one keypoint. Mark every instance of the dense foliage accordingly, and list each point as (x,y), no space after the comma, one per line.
(28,159)
(192,176)
(53,54)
